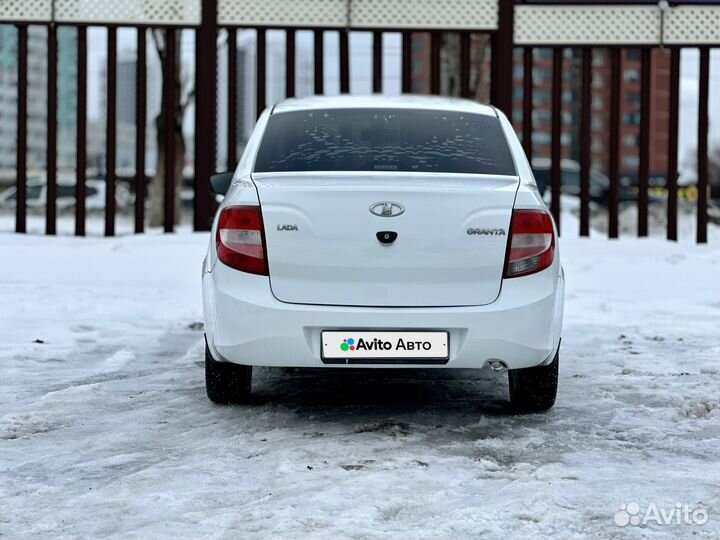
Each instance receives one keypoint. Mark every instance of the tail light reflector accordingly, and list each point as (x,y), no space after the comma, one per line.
(532,243)
(241,239)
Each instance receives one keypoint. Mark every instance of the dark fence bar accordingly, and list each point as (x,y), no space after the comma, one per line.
(644,169)
(435,44)
(585,141)
(344,38)
(81,161)
(110,132)
(318,39)
(406,62)
(702,157)
(527,101)
(51,166)
(465,65)
(377,61)
(555,150)
(140,123)
(232,99)
(169,127)
(21,148)
(290,63)
(260,71)
(614,166)
(502,58)
(205,114)
(672,164)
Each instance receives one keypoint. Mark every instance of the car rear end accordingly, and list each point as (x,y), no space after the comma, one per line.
(390,234)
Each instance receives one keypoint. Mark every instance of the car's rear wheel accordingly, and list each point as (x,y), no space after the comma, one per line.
(226,382)
(534,389)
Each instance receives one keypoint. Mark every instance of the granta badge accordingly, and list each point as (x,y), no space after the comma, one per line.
(486,232)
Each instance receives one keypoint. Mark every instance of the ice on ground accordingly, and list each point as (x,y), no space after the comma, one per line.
(105,431)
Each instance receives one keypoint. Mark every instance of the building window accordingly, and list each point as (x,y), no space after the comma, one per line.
(541,75)
(632,98)
(542,54)
(567,96)
(517,115)
(518,73)
(517,93)
(631,119)
(631,162)
(597,146)
(541,137)
(567,118)
(598,80)
(598,58)
(631,75)
(540,97)
(565,139)
(633,54)
(631,141)
(598,102)
(597,123)
(541,116)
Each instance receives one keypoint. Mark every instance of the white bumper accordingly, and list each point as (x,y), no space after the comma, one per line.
(246,324)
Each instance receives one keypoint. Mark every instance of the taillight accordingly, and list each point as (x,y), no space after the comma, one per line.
(532,243)
(240,239)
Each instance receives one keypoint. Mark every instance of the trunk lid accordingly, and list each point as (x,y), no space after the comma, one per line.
(323,248)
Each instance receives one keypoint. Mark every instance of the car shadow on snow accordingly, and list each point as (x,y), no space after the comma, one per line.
(389,390)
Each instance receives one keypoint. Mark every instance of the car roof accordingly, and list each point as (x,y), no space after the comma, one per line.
(383,102)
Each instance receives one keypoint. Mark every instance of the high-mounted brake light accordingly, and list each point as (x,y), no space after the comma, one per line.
(532,243)
(241,240)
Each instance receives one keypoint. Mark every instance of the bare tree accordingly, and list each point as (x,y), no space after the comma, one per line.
(184,94)
(480,59)
(450,83)
(479,66)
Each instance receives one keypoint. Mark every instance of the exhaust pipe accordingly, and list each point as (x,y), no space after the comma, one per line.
(497,365)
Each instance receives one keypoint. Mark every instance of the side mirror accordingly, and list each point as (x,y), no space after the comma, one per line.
(220,183)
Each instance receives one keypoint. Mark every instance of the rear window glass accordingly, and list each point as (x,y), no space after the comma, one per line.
(407,140)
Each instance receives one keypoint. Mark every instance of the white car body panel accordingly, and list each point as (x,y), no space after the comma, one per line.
(334,258)
(319,279)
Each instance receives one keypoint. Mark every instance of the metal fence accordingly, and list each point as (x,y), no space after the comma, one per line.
(514,29)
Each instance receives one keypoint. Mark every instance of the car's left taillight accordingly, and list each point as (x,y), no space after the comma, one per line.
(532,243)
(241,239)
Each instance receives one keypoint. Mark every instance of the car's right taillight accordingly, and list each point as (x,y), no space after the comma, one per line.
(532,243)
(241,239)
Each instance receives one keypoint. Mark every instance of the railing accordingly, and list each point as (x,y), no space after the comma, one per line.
(515,31)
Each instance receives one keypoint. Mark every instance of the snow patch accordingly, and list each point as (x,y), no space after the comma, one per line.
(709,409)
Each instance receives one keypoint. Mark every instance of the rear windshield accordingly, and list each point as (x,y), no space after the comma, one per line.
(408,140)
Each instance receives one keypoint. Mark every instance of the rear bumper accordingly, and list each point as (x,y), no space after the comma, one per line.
(246,324)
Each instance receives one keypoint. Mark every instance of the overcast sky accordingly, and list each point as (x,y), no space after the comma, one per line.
(361,80)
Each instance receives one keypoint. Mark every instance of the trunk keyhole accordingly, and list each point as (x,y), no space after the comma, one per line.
(386,237)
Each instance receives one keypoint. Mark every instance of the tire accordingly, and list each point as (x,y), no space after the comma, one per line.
(534,389)
(226,382)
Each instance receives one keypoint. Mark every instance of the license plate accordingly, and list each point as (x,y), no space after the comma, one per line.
(358,345)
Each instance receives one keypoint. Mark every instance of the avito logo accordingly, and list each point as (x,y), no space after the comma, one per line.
(376,344)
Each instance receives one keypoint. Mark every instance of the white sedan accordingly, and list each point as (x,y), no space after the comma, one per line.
(383,232)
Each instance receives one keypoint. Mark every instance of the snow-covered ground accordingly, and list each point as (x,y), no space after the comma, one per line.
(105,431)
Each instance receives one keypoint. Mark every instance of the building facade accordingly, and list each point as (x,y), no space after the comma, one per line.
(629,139)
(37,97)
(570,99)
